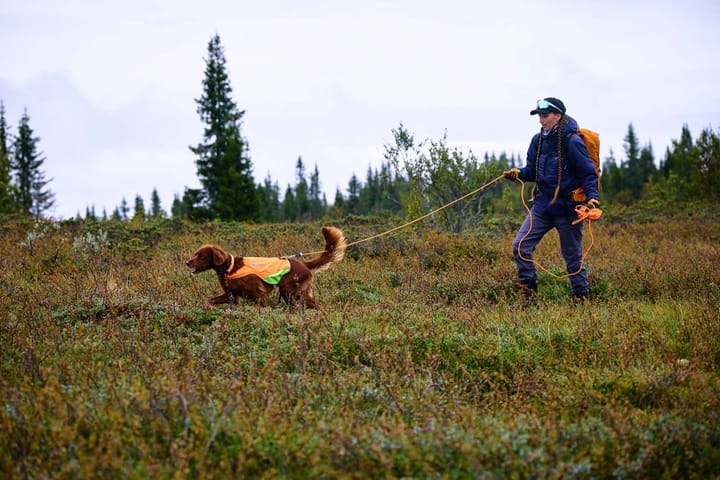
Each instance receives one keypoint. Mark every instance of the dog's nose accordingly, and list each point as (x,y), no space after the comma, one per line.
(187,263)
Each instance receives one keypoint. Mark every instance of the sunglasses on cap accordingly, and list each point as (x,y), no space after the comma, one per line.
(544,105)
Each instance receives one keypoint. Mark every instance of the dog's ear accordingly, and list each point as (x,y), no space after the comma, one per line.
(218,256)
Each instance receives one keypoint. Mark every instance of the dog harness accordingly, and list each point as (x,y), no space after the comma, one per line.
(269,269)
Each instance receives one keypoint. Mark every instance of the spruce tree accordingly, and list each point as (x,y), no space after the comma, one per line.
(352,205)
(302,197)
(124,210)
(156,210)
(139,209)
(7,197)
(270,200)
(632,179)
(177,209)
(32,197)
(223,163)
(317,202)
(705,163)
(289,208)
(677,158)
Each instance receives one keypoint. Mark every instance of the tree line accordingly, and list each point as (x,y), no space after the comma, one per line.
(23,186)
(416,176)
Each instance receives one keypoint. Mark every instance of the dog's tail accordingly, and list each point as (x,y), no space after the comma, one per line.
(334,250)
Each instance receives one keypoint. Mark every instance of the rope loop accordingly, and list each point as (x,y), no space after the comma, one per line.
(584,213)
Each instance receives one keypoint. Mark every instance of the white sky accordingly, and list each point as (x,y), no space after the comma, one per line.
(110,86)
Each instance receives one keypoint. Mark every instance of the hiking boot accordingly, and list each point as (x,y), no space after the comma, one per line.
(581,298)
(528,292)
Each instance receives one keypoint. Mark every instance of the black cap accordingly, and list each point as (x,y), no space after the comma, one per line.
(549,105)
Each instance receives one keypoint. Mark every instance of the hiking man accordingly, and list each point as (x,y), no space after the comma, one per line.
(559,163)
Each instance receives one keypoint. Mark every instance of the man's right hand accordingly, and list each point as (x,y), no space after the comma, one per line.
(512,174)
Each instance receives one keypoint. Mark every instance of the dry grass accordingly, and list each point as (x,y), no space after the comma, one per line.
(418,364)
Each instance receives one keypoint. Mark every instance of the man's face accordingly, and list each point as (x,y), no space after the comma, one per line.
(549,120)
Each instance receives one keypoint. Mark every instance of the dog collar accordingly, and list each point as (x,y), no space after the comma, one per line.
(232,264)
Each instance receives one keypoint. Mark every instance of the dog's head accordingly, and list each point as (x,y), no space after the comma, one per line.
(207,257)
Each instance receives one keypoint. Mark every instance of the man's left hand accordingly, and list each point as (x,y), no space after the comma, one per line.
(593,203)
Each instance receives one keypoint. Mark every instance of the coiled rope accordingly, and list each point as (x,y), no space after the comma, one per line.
(584,213)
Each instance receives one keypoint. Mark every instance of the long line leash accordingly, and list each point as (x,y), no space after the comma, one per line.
(585,214)
(411,222)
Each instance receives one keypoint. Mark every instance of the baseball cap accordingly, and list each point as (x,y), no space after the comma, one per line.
(549,105)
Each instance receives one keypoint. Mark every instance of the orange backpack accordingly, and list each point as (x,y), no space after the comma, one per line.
(592,142)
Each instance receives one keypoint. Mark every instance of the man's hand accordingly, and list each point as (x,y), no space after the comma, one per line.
(593,203)
(511,174)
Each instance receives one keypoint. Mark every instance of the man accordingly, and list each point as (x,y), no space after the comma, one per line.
(559,163)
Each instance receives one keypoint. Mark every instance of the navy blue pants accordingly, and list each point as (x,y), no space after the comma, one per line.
(570,246)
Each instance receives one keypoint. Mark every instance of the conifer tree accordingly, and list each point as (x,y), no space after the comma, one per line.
(139,209)
(317,202)
(352,204)
(339,203)
(177,209)
(124,210)
(677,158)
(33,198)
(270,200)
(631,177)
(90,213)
(302,197)
(223,163)
(7,197)
(288,208)
(705,163)
(156,210)
(611,176)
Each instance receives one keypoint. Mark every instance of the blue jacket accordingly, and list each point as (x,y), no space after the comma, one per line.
(577,170)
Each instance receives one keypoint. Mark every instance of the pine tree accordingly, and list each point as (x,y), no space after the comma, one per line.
(302,197)
(646,167)
(156,210)
(317,203)
(223,164)
(288,208)
(631,177)
(33,198)
(270,200)
(352,205)
(611,177)
(90,213)
(677,158)
(177,209)
(124,210)
(139,209)
(705,162)
(7,196)
(339,203)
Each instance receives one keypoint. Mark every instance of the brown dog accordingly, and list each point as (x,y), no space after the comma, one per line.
(255,277)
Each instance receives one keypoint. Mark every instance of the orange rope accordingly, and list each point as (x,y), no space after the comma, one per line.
(584,213)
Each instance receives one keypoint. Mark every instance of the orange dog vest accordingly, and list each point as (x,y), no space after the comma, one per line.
(269,269)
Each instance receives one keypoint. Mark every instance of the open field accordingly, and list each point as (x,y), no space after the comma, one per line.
(418,364)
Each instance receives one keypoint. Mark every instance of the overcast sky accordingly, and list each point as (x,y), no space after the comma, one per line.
(110,87)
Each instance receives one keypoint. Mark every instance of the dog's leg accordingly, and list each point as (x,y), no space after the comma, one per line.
(224,298)
(308,300)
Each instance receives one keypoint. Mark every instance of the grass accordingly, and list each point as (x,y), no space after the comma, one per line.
(418,364)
